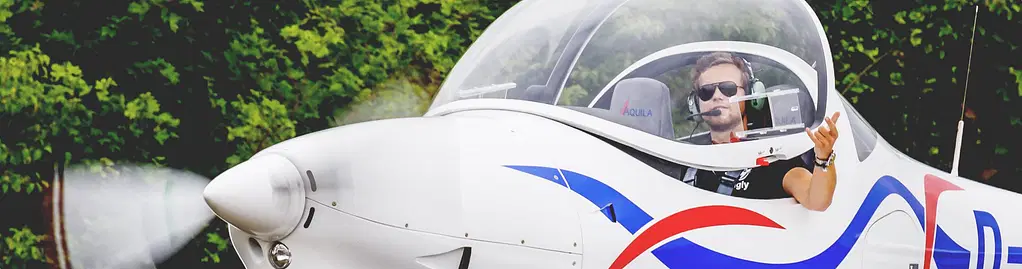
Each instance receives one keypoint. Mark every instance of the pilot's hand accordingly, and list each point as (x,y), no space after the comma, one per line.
(825,136)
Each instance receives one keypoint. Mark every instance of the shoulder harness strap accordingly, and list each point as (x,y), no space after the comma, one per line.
(727,180)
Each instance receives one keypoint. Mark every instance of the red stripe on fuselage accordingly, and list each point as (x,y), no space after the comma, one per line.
(687,220)
(934,186)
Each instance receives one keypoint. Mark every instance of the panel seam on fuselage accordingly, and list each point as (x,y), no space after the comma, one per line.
(439,234)
(566,184)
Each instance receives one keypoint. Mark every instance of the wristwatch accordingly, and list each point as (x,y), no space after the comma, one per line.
(824,163)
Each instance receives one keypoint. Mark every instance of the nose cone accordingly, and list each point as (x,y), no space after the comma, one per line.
(263,196)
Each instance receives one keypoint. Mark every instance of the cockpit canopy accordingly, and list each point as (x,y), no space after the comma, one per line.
(640,62)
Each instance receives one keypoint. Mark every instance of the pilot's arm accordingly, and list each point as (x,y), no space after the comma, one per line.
(816,190)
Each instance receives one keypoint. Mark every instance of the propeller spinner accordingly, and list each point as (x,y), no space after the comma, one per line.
(263,196)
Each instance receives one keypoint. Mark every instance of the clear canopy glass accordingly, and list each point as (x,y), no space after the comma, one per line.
(634,62)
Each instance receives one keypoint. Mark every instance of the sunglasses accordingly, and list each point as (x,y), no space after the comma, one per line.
(728,88)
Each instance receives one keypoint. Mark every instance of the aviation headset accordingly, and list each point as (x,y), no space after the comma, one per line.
(757,87)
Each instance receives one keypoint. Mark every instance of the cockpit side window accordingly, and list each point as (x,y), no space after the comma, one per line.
(865,135)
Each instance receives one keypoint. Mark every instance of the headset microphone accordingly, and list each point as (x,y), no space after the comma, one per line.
(714,112)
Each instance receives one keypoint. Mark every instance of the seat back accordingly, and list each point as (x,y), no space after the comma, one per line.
(647,102)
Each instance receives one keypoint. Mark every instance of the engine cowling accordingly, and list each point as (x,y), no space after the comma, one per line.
(442,176)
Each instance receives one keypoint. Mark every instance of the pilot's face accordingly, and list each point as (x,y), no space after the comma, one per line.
(731,114)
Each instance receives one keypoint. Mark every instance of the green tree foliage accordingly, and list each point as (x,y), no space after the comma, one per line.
(21,249)
(153,80)
(904,65)
(49,110)
(202,85)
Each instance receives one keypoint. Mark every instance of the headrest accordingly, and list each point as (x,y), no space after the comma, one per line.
(647,102)
(537,93)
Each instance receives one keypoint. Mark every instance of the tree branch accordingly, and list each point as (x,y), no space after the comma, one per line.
(863,72)
(871,65)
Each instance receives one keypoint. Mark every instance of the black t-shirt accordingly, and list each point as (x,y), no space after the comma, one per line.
(757,183)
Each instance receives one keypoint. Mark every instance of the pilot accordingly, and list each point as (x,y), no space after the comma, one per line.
(720,75)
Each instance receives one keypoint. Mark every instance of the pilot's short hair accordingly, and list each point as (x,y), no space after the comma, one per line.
(715,59)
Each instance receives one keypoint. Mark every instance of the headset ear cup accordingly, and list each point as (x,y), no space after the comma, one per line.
(757,88)
(693,106)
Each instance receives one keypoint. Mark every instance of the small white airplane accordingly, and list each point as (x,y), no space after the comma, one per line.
(564,138)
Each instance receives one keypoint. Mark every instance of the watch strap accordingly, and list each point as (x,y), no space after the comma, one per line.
(825,162)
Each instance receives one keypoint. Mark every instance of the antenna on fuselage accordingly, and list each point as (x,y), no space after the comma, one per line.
(961,119)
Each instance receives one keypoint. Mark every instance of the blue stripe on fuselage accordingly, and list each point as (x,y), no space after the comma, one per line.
(1015,255)
(682,253)
(551,174)
(626,212)
(947,254)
